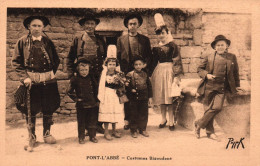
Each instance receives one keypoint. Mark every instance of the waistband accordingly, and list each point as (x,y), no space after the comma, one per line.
(41,77)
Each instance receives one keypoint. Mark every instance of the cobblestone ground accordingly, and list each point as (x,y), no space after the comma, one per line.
(179,145)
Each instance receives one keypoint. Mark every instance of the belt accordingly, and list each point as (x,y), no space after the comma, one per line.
(41,77)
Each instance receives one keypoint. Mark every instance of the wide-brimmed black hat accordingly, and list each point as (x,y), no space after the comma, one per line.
(131,16)
(218,38)
(29,19)
(88,16)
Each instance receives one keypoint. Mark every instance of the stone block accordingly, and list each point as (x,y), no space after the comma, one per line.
(185,68)
(10,101)
(21,34)
(191,52)
(14,26)
(76,27)
(181,25)
(67,99)
(55,114)
(185,60)
(69,30)
(63,86)
(12,34)
(66,112)
(197,36)
(58,110)
(11,86)
(191,43)
(13,117)
(233,119)
(194,65)
(57,36)
(70,106)
(181,42)
(182,36)
(61,75)
(73,111)
(60,67)
(207,38)
(57,29)
(8,62)
(61,43)
(55,22)
(11,43)
(195,21)
(13,76)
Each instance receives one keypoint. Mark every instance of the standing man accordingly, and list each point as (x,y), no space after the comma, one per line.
(220,76)
(91,46)
(35,60)
(129,46)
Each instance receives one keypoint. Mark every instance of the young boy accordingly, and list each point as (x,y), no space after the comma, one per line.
(220,75)
(140,92)
(85,87)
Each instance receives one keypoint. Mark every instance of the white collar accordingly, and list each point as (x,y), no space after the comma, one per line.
(37,38)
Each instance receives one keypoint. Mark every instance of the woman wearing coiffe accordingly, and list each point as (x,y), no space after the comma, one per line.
(166,60)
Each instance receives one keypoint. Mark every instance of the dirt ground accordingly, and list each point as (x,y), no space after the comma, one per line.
(179,146)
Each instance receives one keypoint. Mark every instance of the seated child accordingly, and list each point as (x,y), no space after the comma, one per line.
(140,92)
(86,100)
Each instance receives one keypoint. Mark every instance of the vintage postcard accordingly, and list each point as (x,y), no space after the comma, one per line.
(129,82)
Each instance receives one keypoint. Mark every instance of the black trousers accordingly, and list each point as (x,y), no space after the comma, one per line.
(127,111)
(138,115)
(45,98)
(87,119)
(213,106)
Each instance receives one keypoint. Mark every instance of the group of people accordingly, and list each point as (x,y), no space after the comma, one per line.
(107,81)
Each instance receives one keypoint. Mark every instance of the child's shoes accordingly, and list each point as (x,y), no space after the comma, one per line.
(144,133)
(81,141)
(108,137)
(116,134)
(94,140)
(134,134)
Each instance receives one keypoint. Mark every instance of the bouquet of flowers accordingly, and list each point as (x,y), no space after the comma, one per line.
(121,80)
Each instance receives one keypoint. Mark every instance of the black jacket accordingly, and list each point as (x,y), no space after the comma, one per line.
(86,91)
(141,83)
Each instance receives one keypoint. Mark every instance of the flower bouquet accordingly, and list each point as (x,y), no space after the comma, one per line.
(121,80)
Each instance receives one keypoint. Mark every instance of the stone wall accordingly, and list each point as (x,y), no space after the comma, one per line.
(192,34)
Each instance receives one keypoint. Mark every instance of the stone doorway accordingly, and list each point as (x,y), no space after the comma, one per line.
(110,37)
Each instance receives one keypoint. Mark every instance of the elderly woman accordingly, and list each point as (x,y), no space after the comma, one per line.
(168,67)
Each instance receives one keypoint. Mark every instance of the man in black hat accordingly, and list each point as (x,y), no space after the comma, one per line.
(131,45)
(220,76)
(91,46)
(35,60)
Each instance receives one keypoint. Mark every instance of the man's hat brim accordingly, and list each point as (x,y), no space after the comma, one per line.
(86,18)
(219,38)
(29,19)
(131,16)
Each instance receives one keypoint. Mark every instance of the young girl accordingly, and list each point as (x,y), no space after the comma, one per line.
(110,109)
(168,67)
